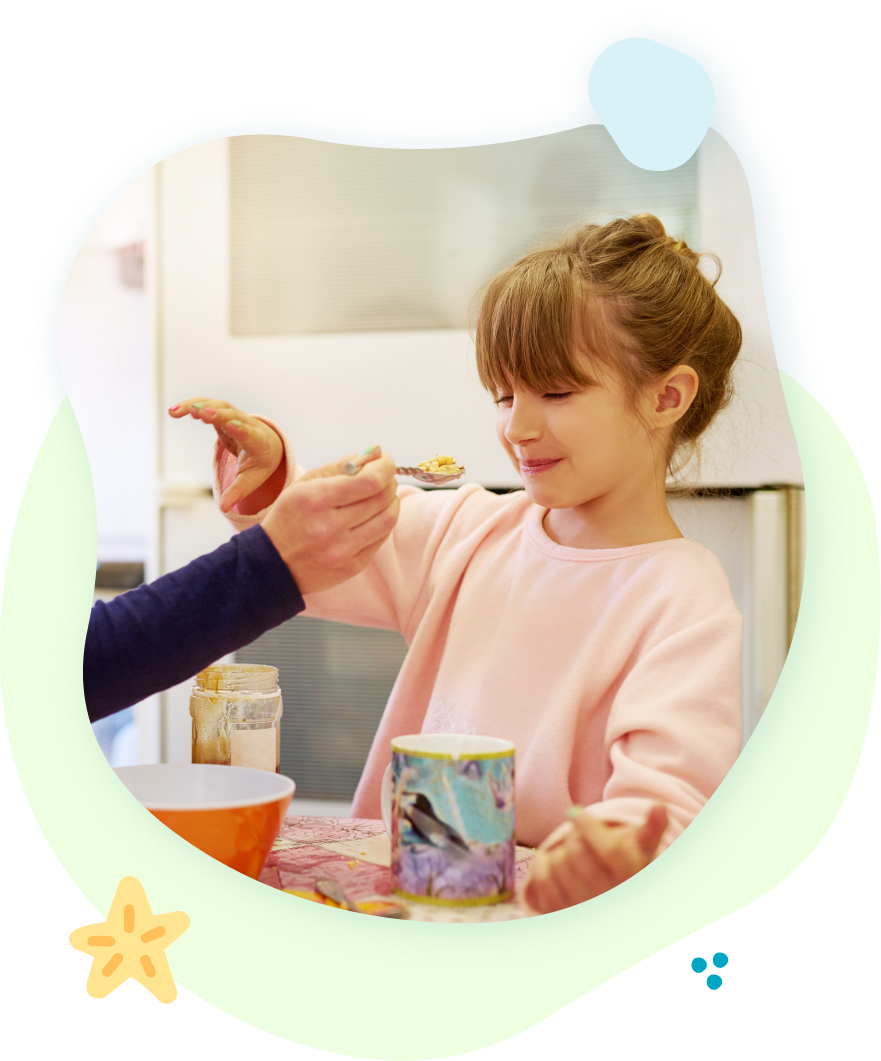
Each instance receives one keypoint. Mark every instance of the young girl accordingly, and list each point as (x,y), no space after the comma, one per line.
(572,617)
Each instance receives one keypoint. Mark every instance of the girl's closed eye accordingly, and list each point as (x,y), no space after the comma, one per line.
(554,396)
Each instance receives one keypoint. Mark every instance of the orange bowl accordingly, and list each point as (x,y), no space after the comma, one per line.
(231,813)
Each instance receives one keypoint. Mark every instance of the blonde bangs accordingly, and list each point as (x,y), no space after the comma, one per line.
(525,326)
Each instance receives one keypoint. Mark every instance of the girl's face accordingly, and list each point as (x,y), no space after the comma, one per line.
(573,447)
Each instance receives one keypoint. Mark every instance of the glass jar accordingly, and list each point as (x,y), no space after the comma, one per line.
(236,711)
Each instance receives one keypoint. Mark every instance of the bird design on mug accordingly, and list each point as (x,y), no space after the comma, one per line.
(501,795)
(417,809)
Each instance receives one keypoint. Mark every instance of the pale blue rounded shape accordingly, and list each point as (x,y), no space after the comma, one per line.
(656,103)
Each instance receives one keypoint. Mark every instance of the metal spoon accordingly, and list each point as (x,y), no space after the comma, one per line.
(331,890)
(435,478)
(335,892)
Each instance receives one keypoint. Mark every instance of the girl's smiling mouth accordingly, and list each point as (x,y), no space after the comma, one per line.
(536,466)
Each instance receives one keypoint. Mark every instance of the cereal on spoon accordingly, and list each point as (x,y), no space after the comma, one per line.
(443,465)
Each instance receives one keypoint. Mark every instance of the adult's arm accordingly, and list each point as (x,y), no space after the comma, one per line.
(162,633)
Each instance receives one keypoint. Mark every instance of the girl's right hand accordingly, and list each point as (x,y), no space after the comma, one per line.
(587,856)
(260,471)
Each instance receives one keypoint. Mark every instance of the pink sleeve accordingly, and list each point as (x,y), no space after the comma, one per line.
(428,551)
(674,728)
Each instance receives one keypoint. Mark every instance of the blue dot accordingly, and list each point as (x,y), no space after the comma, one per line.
(720,960)
(698,965)
(714,982)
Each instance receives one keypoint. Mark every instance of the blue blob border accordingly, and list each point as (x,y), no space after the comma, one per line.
(736,119)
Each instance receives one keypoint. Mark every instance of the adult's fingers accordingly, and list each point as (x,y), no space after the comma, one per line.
(327,471)
(366,556)
(353,550)
(361,545)
(376,470)
(375,530)
(372,453)
(343,556)
(342,490)
(328,500)
(359,512)
(358,461)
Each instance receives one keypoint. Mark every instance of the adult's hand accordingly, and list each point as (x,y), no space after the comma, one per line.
(328,526)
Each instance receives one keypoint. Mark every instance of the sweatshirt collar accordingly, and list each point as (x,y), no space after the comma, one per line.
(546,545)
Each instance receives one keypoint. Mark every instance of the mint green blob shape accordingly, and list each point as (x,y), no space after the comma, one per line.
(335,981)
(656,103)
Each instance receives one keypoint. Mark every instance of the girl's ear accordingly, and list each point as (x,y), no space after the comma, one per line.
(669,397)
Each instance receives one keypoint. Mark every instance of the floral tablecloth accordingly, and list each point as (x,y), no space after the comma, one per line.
(355,853)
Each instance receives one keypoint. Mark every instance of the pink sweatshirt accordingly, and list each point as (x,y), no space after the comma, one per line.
(615,672)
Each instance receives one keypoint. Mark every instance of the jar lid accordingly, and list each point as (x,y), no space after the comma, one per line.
(237,677)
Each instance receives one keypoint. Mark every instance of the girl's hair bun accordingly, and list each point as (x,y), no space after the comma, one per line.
(681,247)
(652,224)
(656,229)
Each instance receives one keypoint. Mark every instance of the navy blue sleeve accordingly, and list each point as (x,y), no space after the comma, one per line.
(163,633)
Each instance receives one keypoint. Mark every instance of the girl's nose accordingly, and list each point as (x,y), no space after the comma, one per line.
(522,425)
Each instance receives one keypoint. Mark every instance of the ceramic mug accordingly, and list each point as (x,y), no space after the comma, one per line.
(448,807)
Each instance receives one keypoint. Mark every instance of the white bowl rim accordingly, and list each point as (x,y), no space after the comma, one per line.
(283,790)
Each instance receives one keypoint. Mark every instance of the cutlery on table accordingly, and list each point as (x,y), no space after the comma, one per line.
(335,892)
(331,890)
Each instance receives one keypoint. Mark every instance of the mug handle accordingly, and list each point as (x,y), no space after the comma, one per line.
(385,799)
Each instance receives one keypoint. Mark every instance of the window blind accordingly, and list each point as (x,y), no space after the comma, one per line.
(335,681)
(330,238)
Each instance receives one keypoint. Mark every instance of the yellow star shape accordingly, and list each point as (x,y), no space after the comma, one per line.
(131,943)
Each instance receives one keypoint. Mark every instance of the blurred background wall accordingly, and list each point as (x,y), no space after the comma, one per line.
(328,287)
